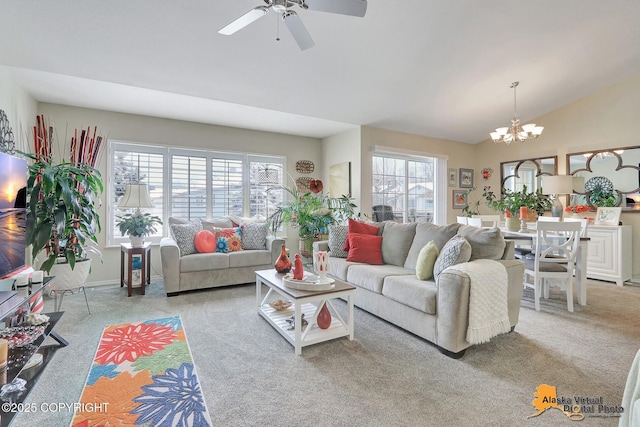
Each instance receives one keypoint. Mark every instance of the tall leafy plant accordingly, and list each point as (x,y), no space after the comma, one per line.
(62,215)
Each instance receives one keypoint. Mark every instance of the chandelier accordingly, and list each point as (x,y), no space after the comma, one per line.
(516,132)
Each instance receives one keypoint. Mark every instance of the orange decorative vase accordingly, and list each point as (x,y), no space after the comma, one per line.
(324,317)
(283,264)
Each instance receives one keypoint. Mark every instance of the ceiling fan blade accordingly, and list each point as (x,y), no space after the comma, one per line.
(343,7)
(244,20)
(297,30)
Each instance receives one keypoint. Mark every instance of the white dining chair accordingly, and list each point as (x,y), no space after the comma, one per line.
(553,259)
(584,224)
(476,222)
(489,221)
(549,218)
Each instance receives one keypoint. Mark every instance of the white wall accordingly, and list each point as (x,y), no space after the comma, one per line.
(344,147)
(20,108)
(150,130)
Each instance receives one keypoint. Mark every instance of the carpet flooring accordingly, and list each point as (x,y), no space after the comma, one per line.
(250,375)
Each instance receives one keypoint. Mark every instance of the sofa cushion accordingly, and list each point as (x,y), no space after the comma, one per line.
(371,277)
(455,251)
(365,248)
(204,262)
(228,239)
(409,290)
(396,242)
(426,232)
(205,242)
(426,261)
(357,227)
(338,267)
(217,222)
(254,235)
(249,258)
(185,235)
(337,240)
(486,243)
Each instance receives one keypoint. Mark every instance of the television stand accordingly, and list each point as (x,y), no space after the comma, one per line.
(26,363)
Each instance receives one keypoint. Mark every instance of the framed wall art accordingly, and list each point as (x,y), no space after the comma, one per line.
(607,216)
(466,178)
(459,199)
(340,180)
(453,177)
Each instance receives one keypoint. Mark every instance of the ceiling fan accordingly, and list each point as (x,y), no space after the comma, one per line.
(291,18)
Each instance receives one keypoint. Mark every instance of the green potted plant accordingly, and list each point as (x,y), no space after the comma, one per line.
(311,213)
(62,214)
(137,226)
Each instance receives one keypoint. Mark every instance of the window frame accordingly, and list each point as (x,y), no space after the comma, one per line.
(439,178)
(113,234)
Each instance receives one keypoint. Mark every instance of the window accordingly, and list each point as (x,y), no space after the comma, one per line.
(403,187)
(199,184)
(144,165)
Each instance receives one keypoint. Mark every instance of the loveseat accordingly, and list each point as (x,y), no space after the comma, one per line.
(435,309)
(185,269)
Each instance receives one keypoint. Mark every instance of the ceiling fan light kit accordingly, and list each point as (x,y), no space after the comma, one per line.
(292,20)
(516,132)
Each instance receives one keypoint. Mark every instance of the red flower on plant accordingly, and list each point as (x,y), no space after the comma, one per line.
(130,342)
(315,186)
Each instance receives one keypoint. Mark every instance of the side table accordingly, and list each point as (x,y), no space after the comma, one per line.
(145,252)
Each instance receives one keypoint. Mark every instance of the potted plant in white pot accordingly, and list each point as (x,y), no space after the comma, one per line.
(137,226)
(62,217)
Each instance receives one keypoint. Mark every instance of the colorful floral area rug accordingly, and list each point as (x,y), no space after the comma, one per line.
(143,375)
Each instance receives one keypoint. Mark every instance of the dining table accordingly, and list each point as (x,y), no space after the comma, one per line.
(528,237)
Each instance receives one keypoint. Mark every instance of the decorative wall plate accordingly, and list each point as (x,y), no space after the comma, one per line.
(304,166)
(303,183)
(599,183)
(7,144)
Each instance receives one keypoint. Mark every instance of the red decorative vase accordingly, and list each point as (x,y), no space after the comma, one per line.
(283,264)
(324,317)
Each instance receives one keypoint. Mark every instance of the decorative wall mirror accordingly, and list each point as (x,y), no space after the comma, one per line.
(514,175)
(611,177)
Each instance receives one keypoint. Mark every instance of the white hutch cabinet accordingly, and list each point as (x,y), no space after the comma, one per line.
(609,253)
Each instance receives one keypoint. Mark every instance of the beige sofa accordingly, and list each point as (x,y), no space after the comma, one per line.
(434,310)
(209,270)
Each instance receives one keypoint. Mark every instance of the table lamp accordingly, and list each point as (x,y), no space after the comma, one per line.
(557,185)
(136,196)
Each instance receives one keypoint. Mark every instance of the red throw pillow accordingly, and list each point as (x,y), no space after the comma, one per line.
(359,228)
(205,242)
(365,248)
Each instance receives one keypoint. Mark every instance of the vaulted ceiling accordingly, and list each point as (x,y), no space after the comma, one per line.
(435,68)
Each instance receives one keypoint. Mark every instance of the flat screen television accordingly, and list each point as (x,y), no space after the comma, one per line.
(13,213)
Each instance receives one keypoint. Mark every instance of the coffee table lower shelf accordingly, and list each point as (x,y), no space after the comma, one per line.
(309,304)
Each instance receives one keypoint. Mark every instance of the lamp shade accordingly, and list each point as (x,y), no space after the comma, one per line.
(136,196)
(557,184)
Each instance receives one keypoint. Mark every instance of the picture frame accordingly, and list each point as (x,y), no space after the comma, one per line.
(459,199)
(607,216)
(466,178)
(453,177)
(340,180)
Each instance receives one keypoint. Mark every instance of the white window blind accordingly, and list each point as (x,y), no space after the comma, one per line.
(227,187)
(188,187)
(132,164)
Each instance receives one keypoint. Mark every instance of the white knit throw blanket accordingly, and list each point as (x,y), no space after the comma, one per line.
(488,309)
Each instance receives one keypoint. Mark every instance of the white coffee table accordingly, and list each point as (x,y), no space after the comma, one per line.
(303,302)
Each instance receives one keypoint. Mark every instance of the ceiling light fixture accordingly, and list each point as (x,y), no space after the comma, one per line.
(516,132)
